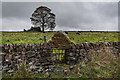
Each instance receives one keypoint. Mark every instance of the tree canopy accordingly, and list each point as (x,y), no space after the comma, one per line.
(43,18)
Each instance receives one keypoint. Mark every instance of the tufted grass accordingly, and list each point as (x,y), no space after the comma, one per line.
(22,72)
(37,37)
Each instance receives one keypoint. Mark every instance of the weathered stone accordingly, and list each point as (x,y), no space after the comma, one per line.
(82,51)
(10,71)
(3,56)
(60,69)
(11,47)
(68,62)
(19,61)
(38,64)
(46,64)
(48,70)
(30,63)
(71,58)
(40,69)
(17,57)
(60,40)
(30,54)
(0,48)
(6,48)
(8,57)
(32,67)
(33,47)
(71,54)
(71,67)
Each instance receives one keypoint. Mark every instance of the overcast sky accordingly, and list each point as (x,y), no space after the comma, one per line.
(70,16)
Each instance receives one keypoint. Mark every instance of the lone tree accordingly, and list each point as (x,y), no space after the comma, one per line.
(43,18)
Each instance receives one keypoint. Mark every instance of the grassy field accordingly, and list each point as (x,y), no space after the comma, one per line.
(37,37)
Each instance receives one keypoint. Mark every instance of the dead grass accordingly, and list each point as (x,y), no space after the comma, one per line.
(103,62)
(22,72)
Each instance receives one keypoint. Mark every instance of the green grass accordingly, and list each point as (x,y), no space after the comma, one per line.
(24,37)
(37,37)
(93,36)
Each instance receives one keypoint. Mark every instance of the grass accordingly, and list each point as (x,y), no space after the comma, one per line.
(20,73)
(37,37)
(102,64)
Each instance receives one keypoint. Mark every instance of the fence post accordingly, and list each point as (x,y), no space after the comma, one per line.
(65,55)
(104,38)
(44,39)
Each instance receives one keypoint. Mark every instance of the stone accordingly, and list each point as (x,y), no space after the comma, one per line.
(33,47)
(77,51)
(48,70)
(30,63)
(60,69)
(71,54)
(8,57)
(35,71)
(60,40)
(46,64)
(40,70)
(71,67)
(10,71)
(71,58)
(17,57)
(0,48)
(3,56)
(68,62)
(77,46)
(19,60)
(38,64)
(32,67)
(82,51)
(6,48)
(0,68)
(5,69)
(30,54)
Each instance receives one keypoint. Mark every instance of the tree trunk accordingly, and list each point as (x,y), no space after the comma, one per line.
(43,22)
(43,28)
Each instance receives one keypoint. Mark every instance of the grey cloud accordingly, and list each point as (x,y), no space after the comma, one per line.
(15,24)
(69,15)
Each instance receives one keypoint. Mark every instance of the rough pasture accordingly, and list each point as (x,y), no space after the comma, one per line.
(37,37)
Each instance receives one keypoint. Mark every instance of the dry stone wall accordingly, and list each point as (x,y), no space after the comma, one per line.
(81,50)
(38,57)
